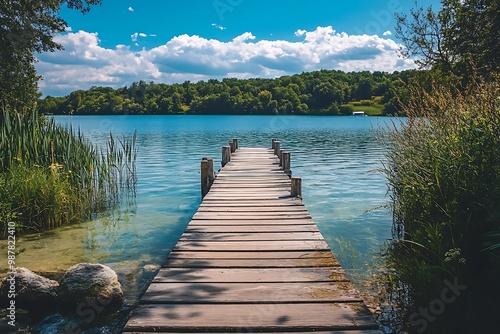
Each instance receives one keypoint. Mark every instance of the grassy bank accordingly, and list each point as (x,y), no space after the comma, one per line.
(443,169)
(51,176)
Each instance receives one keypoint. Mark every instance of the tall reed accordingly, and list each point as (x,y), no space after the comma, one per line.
(44,159)
(443,171)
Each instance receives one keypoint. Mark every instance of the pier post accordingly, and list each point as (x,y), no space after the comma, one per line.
(226,155)
(280,155)
(235,143)
(277,147)
(232,146)
(204,177)
(286,163)
(296,190)
(272,142)
(211,174)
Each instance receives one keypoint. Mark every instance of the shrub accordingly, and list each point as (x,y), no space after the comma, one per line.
(346,109)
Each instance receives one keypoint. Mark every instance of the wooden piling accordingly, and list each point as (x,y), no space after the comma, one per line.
(226,155)
(280,156)
(204,177)
(231,145)
(286,162)
(296,190)
(277,147)
(235,143)
(211,174)
(272,142)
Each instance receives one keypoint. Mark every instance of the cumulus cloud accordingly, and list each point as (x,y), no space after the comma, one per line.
(130,9)
(218,26)
(387,33)
(85,63)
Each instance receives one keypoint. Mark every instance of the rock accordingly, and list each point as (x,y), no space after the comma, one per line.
(31,290)
(150,267)
(92,284)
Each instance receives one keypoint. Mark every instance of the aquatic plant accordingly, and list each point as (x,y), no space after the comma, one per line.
(443,172)
(51,175)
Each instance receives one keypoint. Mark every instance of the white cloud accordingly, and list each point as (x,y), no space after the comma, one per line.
(218,26)
(300,32)
(130,9)
(85,63)
(136,35)
(387,33)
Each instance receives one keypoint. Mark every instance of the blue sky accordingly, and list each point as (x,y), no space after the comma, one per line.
(169,41)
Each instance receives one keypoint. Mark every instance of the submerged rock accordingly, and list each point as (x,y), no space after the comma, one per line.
(95,284)
(31,290)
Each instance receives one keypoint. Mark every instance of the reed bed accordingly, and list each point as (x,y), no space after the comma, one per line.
(443,170)
(51,175)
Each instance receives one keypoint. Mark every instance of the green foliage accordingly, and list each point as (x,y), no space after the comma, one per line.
(27,27)
(346,109)
(461,38)
(443,169)
(320,92)
(38,198)
(51,176)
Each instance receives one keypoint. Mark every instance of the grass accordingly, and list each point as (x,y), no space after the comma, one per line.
(443,171)
(370,107)
(51,175)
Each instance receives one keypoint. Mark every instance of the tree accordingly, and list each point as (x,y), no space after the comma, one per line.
(462,34)
(27,27)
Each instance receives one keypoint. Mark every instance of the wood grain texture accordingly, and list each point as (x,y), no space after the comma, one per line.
(251,260)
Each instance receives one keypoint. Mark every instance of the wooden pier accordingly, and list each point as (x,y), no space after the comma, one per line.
(251,260)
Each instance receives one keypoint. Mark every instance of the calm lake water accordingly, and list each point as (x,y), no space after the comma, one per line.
(337,158)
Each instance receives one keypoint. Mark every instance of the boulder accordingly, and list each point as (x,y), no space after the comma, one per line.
(91,283)
(31,290)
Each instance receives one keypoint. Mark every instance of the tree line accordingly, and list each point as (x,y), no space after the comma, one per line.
(325,92)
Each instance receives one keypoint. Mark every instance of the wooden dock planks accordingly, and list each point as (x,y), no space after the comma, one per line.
(251,260)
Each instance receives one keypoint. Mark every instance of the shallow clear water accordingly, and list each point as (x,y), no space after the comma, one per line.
(337,158)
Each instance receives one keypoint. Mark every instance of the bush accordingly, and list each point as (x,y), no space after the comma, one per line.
(346,109)
(443,170)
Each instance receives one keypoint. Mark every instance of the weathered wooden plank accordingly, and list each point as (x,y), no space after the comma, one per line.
(277,212)
(272,202)
(250,263)
(260,236)
(250,229)
(279,245)
(238,293)
(246,221)
(244,198)
(252,209)
(251,317)
(250,255)
(242,275)
(367,331)
(252,185)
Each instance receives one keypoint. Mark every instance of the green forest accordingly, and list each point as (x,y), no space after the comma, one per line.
(325,92)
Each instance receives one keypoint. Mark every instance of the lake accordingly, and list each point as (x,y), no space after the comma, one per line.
(337,158)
